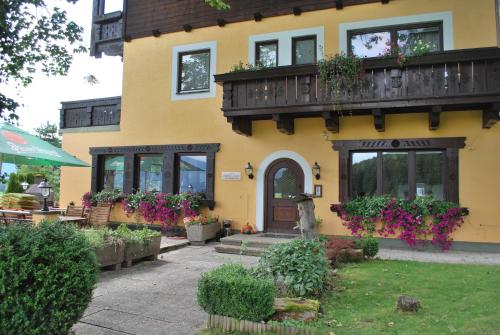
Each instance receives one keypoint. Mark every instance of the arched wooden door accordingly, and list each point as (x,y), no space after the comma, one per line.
(284,181)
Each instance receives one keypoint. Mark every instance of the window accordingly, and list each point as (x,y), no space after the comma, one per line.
(285,184)
(392,172)
(375,42)
(405,168)
(304,50)
(150,173)
(192,175)
(266,53)
(112,176)
(166,168)
(194,71)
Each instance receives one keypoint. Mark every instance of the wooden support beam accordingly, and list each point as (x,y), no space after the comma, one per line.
(491,115)
(187,28)
(221,22)
(332,122)
(384,2)
(156,33)
(378,119)
(286,125)
(435,117)
(297,11)
(258,16)
(241,125)
(339,4)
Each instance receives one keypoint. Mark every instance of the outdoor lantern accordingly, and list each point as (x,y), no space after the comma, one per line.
(45,190)
(316,170)
(249,171)
(25,185)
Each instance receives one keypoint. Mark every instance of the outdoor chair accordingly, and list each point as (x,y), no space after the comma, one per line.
(99,216)
(74,211)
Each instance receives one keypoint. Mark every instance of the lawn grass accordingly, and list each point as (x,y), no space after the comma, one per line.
(456,299)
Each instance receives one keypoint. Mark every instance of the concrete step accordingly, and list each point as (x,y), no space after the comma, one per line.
(236,250)
(253,241)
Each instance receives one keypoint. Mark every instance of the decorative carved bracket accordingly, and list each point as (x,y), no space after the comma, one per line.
(378,119)
(332,122)
(491,115)
(285,125)
(241,125)
(435,117)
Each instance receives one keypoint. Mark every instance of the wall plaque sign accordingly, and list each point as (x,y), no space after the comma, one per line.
(231,175)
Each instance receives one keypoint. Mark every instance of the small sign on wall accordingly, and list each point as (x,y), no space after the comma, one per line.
(231,175)
(318,191)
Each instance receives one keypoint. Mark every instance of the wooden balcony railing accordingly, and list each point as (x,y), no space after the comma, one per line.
(107,31)
(90,113)
(446,81)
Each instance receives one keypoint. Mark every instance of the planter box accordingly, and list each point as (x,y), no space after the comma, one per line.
(202,233)
(136,251)
(228,324)
(111,254)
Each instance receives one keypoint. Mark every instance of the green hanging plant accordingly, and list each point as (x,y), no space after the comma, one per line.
(340,72)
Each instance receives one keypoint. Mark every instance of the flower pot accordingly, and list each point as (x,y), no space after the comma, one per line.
(135,251)
(110,254)
(200,233)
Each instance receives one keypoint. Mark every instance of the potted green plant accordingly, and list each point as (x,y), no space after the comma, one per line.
(139,244)
(201,228)
(108,247)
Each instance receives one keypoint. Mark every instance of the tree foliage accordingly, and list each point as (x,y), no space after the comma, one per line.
(218,4)
(49,133)
(34,37)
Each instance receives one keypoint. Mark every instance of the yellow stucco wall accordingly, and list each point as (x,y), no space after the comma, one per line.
(150,117)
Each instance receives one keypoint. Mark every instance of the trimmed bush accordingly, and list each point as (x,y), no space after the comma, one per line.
(230,290)
(47,275)
(370,246)
(299,268)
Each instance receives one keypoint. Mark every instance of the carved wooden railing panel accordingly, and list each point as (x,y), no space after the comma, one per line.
(446,81)
(107,31)
(90,113)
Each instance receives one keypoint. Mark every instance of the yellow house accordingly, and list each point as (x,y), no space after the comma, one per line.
(250,140)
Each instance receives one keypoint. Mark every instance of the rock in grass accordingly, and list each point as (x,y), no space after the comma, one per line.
(296,309)
(408,304)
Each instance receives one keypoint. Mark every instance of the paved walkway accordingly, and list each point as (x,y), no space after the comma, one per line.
(153,298)
(458,257)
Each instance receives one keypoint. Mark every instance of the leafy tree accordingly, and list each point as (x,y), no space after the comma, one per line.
(34,37)
(49,133)
(14,184)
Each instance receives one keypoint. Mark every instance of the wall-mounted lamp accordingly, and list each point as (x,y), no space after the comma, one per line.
(316,169)
(249,171)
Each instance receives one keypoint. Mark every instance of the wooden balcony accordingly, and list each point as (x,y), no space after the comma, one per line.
(447,81)
(90,113)
(107,31)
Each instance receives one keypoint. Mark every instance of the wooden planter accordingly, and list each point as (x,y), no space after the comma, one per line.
(136,251)
(228,324)
(111,255)
(201,233)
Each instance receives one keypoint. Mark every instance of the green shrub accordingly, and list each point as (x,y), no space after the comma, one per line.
(14,184)
(370,246)
(231,290)
(143,235)
(47,275)
(299,268)
(100,237)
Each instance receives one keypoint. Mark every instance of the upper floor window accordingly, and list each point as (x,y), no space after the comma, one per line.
(194,71)
(410,39)
(304,50)
(266,53)
(149,171)
(113,167)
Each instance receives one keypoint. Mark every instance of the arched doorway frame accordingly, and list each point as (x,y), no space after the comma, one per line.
(261,179)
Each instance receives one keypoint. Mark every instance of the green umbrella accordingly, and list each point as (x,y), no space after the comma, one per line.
(19,147)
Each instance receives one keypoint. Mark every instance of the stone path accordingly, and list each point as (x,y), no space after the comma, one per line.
(458,257)
(154,297)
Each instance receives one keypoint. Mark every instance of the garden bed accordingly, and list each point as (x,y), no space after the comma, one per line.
(110,255)
(134,251)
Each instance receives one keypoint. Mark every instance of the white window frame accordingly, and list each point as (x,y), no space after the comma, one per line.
(284,39)
(445,17)
(212,46)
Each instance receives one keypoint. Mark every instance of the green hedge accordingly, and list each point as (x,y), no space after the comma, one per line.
(230,290)
(47,275)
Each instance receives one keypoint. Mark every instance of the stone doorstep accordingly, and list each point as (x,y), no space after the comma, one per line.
(254,241)
(236,250)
